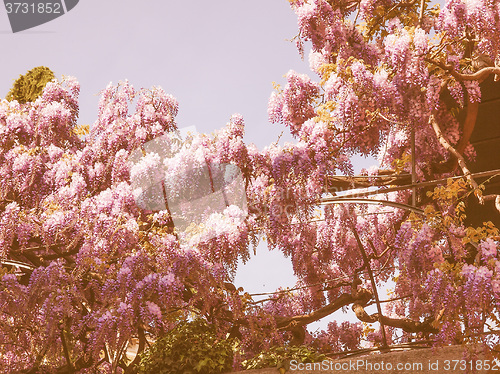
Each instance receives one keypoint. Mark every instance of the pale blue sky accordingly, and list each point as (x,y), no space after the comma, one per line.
(217,58)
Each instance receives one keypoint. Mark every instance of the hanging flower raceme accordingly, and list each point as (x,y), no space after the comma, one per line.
(294,105)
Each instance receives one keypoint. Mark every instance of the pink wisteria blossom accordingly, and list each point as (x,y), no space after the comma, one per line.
(106,240)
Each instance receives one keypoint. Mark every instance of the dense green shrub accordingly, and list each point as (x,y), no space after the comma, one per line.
(191,348)
(29,86)
(281,356)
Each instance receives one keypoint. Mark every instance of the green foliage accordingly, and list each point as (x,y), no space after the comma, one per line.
(280,356)
(190,348)
(30,86)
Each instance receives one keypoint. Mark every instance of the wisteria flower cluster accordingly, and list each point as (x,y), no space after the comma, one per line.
(92,271)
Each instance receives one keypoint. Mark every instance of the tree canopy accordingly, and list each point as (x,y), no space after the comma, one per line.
(29,87)
(105,238)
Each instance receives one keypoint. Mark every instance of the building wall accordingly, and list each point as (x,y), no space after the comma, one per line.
(416,361)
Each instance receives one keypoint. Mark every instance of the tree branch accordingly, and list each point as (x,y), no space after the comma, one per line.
(421,14)
(479,75)
(285,323)
(66,352)
(366,261)
(469,125)
(453,151)
(493,197)
(336,183)
(406,324)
